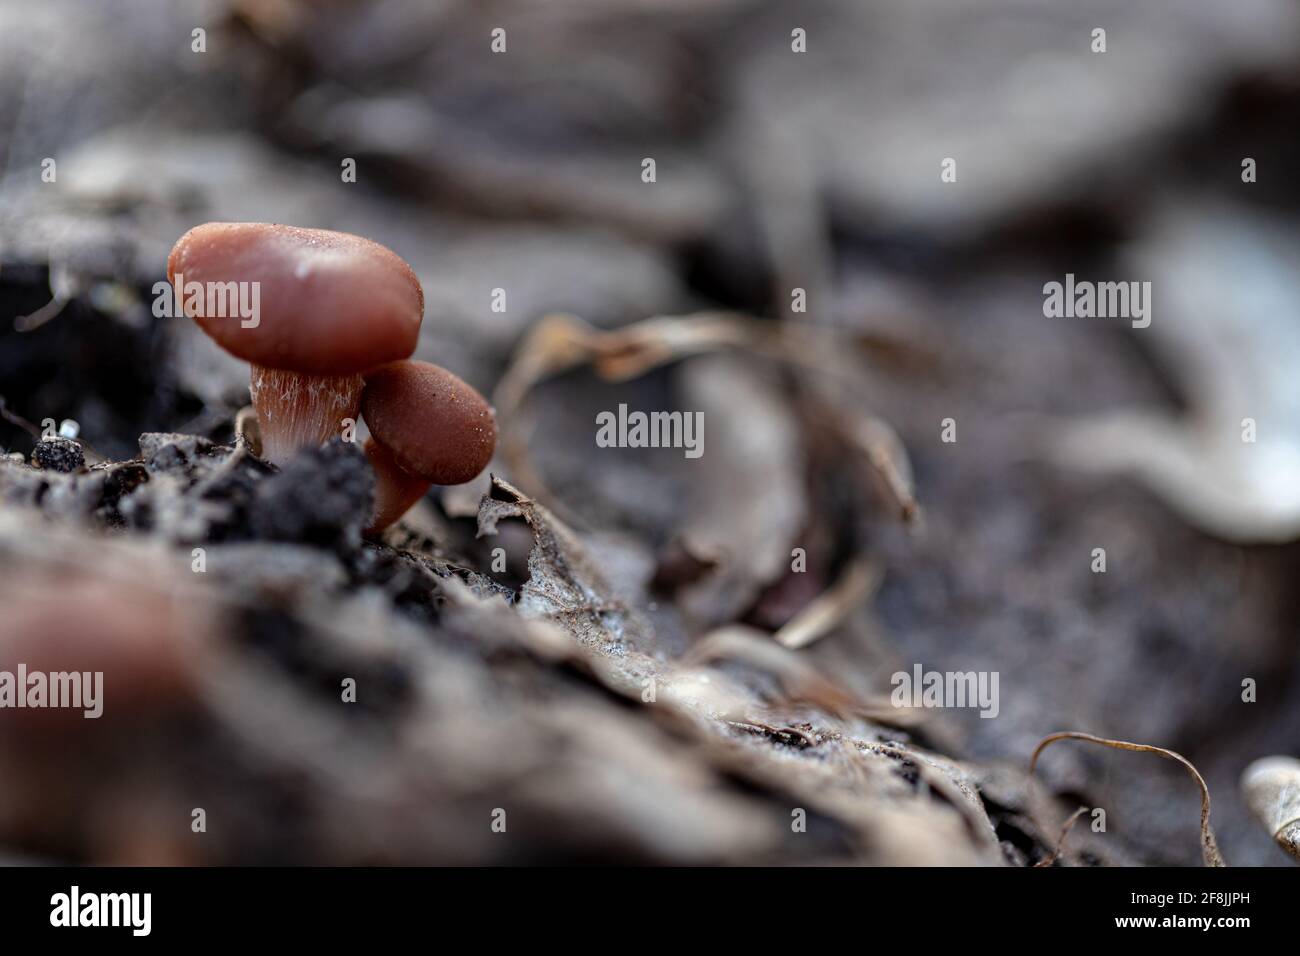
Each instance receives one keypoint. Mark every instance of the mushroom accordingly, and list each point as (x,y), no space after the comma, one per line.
(427,427)
(315,310)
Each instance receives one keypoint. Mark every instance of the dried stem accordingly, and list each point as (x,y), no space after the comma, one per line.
(1209,846)
(1060,842)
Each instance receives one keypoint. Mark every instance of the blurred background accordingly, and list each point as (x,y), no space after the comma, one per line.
(797,146)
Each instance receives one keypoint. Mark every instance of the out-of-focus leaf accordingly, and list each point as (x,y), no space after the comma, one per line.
(1272,789)
(1226,324)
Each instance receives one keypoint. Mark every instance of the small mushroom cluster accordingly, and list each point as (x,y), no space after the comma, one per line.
(340,318)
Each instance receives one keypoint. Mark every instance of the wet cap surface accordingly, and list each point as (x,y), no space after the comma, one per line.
(328,303)
(434,424)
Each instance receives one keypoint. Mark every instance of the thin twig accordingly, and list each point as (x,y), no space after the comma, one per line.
(1060,843)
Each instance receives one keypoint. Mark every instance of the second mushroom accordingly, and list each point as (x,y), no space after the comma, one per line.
(427,427)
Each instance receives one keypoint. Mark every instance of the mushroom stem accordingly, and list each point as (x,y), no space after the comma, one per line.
(297,410)
(396,489)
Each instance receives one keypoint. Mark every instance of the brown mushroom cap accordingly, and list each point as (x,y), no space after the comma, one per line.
(434,424)
(330,303)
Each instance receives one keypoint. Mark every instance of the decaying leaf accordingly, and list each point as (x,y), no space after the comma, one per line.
(953,784)
(746,504)
(1223,325)
(739,722)
(800,681)
(564,585)
(559,343)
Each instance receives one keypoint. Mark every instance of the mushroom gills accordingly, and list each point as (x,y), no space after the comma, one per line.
(297,410)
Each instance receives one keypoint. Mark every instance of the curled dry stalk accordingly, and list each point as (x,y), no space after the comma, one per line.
(1209,845)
